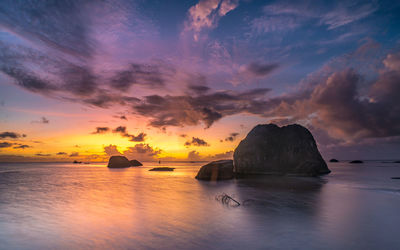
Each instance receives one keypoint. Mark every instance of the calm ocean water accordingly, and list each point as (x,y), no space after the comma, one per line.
(67,206)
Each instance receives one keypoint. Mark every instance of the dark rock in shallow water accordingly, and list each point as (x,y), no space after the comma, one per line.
(396,162)
(118,162)
(357,161)
(288,150)
(333,160)
(216,170)
(396,178)
(135,163)
(162,169)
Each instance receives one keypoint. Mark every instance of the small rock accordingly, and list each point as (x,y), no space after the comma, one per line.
(216,170)
(356,161)
(136,163)
(162,169)
(333,160)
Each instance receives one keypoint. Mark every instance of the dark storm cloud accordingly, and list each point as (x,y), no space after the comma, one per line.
(231,137)
(197,142)
(5,144)
(260,69)
(11,135)
(204,108)
(101,130)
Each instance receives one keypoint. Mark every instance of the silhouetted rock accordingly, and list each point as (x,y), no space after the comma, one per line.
(396,178)
(162,169)
(136,163)
(76,162)
(288,150)
(118,162)
(216,170)
(396,162)
(333,160)
(357,161)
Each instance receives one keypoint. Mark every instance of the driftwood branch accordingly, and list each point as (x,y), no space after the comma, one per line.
(227,200)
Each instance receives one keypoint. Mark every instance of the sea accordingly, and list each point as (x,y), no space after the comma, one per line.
(89,206)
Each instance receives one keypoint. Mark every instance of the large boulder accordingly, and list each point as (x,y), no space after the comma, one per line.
(136,163)
(216,170)
(118,162)
(288,150)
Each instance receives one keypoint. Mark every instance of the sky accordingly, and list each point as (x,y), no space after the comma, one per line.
(187,80)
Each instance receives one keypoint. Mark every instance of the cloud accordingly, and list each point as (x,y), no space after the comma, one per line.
(335,104)
(197,142)
(111,150)
(284,16)
(202,108)
(42,120)
(136,138)
(232,136)
(74,154)
(62,26)
(148,75)
(206,14)
(198,89)
(61,153)
(22,146)
(120,129)
(143,152)
(122,117)
(5,144)
(101,130)
(347,13)
(260,69)
(253,71)
(42,155)
(195,156)
(11,135)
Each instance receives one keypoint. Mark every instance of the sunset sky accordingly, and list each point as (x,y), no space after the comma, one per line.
(187,80)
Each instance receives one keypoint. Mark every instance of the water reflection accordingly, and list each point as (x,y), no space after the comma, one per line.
(91,206)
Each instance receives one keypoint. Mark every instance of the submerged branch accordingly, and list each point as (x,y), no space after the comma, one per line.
(227,200)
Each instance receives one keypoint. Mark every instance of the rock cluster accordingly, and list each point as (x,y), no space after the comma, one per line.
(118,161)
